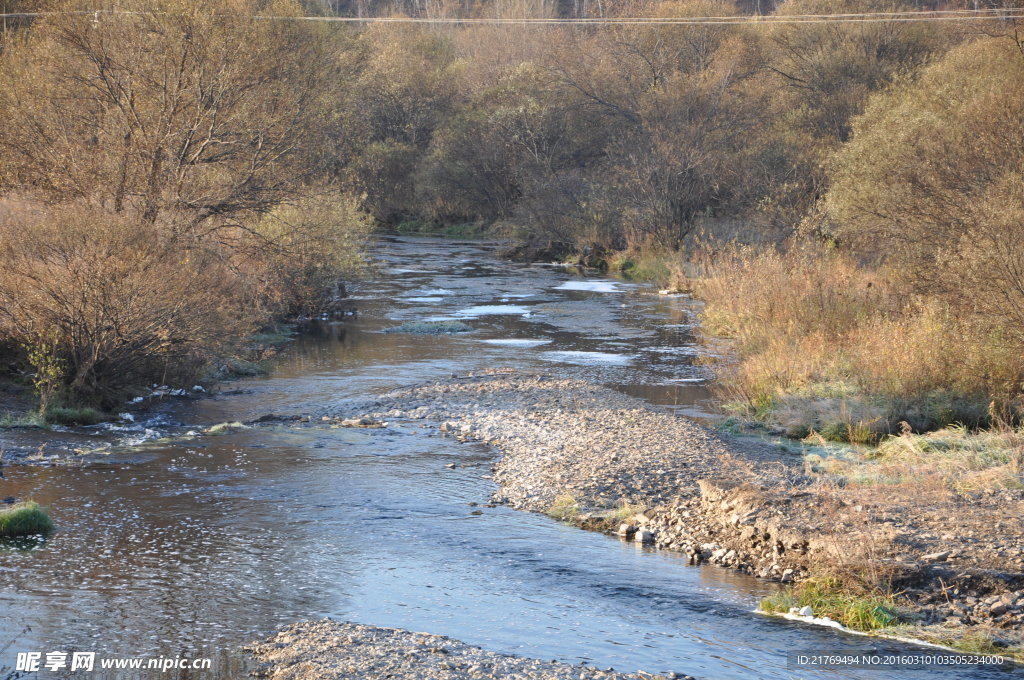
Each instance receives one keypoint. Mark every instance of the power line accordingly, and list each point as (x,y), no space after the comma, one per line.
(988,14)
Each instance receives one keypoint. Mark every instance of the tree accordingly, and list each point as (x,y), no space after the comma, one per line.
(931,179)
(190,113)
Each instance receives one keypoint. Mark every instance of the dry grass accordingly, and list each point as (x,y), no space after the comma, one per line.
(825,344)
(953,459)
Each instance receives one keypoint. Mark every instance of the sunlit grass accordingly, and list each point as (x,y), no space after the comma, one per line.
(24,519)
(829,597)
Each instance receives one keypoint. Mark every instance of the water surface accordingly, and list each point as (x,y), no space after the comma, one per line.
(194,546)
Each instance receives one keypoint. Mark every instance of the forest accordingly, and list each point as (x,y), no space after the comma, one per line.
(845,194)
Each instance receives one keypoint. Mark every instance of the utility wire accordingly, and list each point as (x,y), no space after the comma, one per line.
(988,14)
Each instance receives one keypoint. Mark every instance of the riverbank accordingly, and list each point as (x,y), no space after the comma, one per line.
(328,650)
(953,562)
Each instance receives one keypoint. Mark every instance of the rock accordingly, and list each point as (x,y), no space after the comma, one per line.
(936,557)
(998,609)
(644,536)
(805,611)
(626,530)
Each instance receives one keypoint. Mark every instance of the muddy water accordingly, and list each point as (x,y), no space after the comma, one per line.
(185,546)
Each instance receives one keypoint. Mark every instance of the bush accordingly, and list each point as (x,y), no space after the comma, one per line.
(115,304)
(24,519)
(300,252)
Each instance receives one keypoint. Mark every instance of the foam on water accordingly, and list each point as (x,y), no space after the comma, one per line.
(592,286)
(491,310)
(516,342)
(588,358)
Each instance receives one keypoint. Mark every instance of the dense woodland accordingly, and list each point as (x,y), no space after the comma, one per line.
(847,196)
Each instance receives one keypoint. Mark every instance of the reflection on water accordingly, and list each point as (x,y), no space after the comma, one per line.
(194,547)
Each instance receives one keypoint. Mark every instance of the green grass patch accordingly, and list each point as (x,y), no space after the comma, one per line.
(275,336)
(625,511)
(24,519)
(31,419)
(829,597)
(431,328)
(564,509)
(71,415)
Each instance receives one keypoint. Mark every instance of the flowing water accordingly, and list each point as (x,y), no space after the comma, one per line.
(191,547)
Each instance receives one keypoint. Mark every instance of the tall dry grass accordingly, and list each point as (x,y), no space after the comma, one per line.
(826,344)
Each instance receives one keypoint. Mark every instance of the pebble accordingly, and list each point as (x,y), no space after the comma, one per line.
(332,650)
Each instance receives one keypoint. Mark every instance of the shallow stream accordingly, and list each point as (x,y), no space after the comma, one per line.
(179,546)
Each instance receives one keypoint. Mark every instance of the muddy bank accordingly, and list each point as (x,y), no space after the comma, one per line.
(327,650)
(610,462)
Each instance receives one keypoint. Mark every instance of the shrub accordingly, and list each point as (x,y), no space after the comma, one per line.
(117,304)
(298,254)
(24,519)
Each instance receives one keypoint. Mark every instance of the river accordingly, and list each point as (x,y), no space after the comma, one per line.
(174,545)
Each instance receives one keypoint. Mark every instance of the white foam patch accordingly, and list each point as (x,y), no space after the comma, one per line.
(491,310)
(588,358)
(592,286)
(686,350)
(422,299)
(516,342)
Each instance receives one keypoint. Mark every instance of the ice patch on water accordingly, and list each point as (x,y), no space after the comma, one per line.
(490,310)
(588,358)
(516,342)
(422,299)
(592,286)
